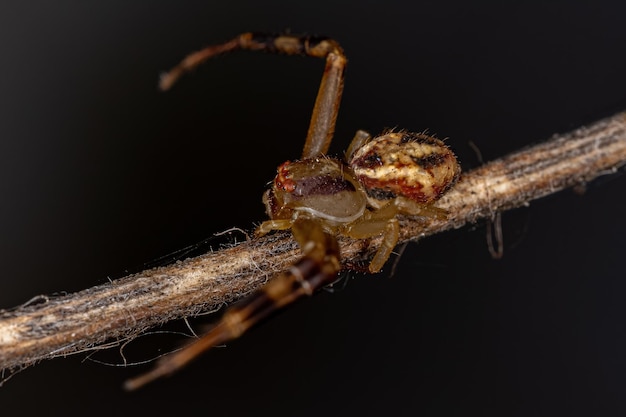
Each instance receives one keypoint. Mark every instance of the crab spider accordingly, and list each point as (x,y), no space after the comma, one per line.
(319,197)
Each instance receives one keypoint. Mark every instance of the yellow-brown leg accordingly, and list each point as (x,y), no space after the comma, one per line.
(269,225)
(384,221)
(412,208)
(361,137)
(322,126)
(318,267)
(324,117)
(390,239)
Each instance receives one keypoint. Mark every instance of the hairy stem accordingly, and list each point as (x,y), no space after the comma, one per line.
(58,326)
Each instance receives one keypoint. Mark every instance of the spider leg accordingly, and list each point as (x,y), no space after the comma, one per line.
(373,222)
(382,221)
(318,267)
(269,225)
(322,126)
(361,137)
(391,235)
(413,208)
(324,117)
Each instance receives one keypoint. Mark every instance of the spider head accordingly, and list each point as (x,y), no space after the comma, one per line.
(321,187)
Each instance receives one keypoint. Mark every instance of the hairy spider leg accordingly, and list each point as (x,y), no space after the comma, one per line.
(323,119)
(318,267)
(361,137)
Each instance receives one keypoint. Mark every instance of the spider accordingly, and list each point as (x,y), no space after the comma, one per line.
(319,197)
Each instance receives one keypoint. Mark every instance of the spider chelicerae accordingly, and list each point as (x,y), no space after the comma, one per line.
(319,197)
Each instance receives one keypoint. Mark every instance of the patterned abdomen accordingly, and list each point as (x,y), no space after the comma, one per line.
(413,165)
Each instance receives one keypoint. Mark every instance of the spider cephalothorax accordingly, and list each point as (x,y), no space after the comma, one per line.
(318,197)
(321,187)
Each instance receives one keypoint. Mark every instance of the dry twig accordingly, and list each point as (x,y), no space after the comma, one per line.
(126,307)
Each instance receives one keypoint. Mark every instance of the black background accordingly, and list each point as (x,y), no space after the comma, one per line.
(100,173)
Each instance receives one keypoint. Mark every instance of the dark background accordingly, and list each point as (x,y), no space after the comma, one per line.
(101,174)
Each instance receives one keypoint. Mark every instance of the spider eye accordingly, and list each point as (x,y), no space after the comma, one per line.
(285,184)
(283,180)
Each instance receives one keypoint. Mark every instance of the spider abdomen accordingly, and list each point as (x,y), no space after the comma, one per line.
(412,165)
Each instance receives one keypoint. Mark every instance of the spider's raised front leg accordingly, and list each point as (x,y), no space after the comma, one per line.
(322,126)
(318,267)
